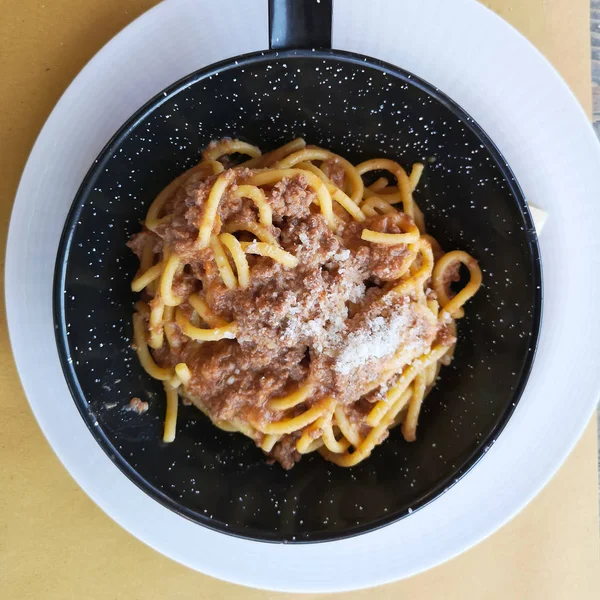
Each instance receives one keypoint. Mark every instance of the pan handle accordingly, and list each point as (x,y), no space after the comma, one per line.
(300,24)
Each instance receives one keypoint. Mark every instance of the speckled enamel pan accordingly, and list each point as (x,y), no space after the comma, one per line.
(361,108)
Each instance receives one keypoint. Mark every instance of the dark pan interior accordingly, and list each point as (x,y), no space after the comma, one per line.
(471,201)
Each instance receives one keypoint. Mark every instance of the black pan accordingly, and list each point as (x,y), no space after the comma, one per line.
(359,107)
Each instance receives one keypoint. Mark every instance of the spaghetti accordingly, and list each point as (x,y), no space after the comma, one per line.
(293,303)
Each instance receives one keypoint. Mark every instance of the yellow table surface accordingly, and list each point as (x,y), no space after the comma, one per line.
(56,544)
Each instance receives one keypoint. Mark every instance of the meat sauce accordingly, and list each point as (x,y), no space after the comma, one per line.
(330,320)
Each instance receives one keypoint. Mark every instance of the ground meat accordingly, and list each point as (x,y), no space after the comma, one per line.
(331,319)
(237,381)
(290,198)
(335,171)
(445,336)
(136,405)
(184,284)
(285,453)
(451,275)
(140,240)
(180,236)
(388,264)
(385,262)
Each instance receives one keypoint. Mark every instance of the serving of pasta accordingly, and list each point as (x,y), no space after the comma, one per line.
(293,303)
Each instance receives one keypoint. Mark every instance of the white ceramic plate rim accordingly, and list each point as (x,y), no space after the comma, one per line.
(514,94)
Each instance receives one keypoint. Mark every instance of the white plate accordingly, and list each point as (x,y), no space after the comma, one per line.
(515,95)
